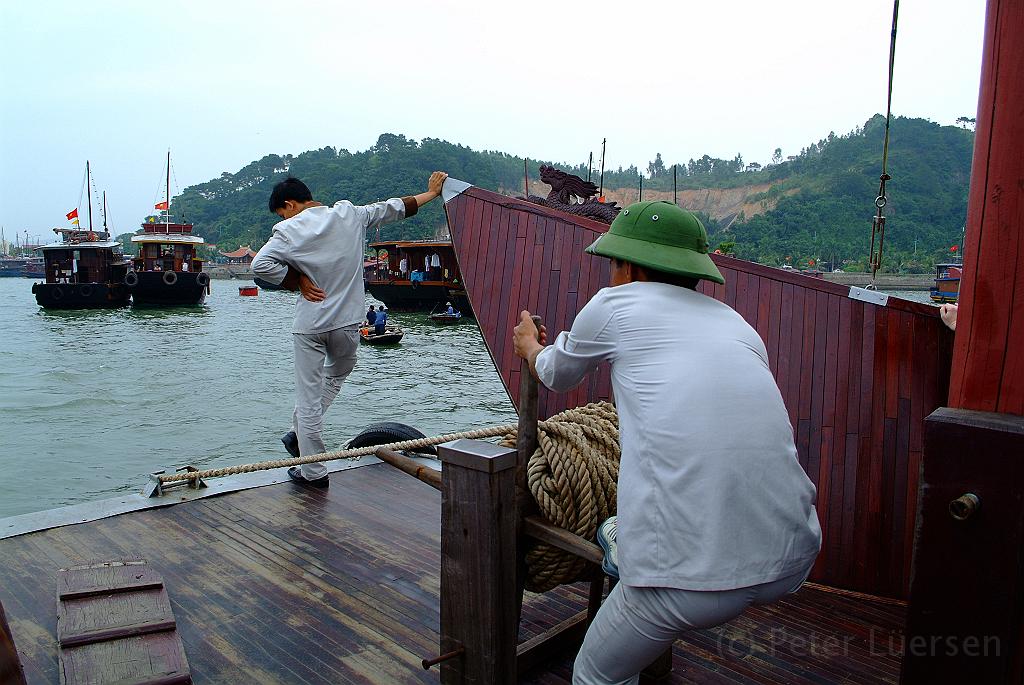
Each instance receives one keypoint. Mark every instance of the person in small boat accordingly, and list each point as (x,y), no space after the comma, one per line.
(714,510)
(451,310)
(371,316)
(380,325)
(318,251)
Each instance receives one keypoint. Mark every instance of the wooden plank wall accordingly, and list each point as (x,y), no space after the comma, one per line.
(858,379)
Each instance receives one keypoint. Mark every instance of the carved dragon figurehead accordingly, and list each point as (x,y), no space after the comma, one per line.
(573,195)
(565,185)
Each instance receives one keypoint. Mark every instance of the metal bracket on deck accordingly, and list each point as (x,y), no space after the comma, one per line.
(871,296)
(157,488)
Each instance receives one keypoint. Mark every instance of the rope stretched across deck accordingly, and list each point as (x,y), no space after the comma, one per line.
(418,443)
(572,475)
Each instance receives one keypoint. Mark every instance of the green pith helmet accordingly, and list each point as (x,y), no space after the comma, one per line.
(662,236)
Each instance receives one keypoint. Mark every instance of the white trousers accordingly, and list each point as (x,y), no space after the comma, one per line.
(635,625)
(322,363)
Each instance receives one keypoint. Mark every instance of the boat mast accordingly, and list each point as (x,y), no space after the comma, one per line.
(167,195)
(600,194)
(105,211)
(88,190)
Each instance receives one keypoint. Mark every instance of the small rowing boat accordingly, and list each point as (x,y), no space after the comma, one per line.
(446,319)
(391,336)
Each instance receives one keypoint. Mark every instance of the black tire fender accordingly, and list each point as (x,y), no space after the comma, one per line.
(385,432)
(203,279)
(57,293)
(170,278)
(131,279)
(86,290)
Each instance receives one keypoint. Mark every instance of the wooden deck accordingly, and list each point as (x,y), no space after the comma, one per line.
(283,584)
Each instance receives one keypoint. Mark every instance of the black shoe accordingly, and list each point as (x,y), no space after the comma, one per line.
(295,473)
(291,443)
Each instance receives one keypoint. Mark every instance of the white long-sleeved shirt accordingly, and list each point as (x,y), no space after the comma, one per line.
(711,495)
(326,244)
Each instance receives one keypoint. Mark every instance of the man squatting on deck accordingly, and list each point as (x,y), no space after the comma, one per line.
(318,250)
(714,511)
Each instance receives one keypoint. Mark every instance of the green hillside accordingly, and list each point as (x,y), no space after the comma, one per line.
(815,205)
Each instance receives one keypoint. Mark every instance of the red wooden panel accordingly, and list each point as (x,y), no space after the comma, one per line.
(988,362)
(856,379)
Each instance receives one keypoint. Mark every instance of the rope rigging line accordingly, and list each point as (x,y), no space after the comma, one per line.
(492,432)
(572,476)
(878,222)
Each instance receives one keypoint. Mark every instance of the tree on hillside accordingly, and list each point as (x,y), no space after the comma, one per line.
(777,156)
(656,168)
(965,122)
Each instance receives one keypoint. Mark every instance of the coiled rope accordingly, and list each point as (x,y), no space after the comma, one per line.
(573,476)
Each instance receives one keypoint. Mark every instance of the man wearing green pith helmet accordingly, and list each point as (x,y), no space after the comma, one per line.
(714,511)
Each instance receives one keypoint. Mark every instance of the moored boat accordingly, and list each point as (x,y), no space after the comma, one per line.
(13,266)
(83,270)
(416,275)
(947,282)
(168,270)
(34,268)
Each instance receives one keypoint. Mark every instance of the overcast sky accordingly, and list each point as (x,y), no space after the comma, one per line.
(224,83)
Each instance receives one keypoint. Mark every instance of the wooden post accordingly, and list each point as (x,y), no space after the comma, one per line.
(964,622)
(987,372)
(478,562)
(10,663)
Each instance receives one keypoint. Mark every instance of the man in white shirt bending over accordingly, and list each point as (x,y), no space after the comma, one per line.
(714,511)
(319,251)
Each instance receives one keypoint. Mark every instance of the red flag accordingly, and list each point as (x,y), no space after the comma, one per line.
(953,249)
(160,205)
(73,214)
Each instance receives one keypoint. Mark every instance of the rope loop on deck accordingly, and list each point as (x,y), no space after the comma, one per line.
(573,476)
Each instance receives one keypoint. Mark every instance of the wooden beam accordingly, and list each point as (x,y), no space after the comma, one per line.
(538,528)
(410,466)
(552,643)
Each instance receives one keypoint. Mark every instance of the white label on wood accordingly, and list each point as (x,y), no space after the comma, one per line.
(865,295)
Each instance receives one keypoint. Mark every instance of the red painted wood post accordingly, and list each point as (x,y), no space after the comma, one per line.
(478,562)
(988,354)
(965,621)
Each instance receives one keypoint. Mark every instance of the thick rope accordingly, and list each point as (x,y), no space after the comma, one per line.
(572,475)
(418,443)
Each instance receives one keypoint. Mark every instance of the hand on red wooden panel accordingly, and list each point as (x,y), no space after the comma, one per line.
(309,290)
(948,314)
(436,182)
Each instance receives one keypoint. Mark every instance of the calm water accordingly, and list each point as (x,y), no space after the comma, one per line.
(93,401)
